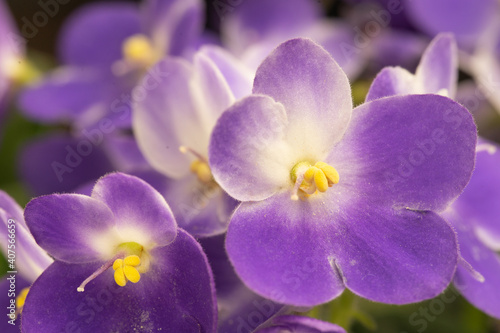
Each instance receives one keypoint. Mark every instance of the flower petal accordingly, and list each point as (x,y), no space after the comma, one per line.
(391,81)
(313,89)
(175,295)
(248,155)
(31,259)
(479,201)
(180,110)
(136,205)
(62,163)
(93,36)
(423,165)
(174,25)
(482,294)
(280,249)
(67,226)
(394,256)
(254,21)
(64,95)
(203,210)
(438,68)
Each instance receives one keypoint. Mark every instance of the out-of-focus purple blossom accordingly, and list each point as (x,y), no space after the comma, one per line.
(256,27)
(369,190)
(436,73)
(466,19)
(161,277)
(172,125)
(105,49)
(484,64)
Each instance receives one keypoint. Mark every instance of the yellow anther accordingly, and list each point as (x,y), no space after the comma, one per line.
(125,270)
(311,179)
(331,174)
(132,260)
(138,49)
(320,180)
(201,170)
(21,298)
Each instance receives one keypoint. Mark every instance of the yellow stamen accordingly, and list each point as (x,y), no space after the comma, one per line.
(201,170)
(138,49)
(125,270)
(21,298)
(310,179)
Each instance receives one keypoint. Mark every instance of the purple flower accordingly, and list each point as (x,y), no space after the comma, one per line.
(369,182)
(299,324)
(121,263)
(172,124)
(476,218)
(436,16)
(105,49)
(256,27)
(436,73)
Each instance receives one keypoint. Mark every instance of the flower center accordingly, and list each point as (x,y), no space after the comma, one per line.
(310,179)
(138,54)
(20,300)
(199,166)
(129,262)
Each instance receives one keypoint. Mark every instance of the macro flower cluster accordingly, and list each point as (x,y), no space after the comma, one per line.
(270,173)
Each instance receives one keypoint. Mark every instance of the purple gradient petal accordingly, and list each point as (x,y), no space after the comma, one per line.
(316,108)
(94,35)
(238,76)
(248,155)
(62,164)
(240,310)
(422,166)
(438,68)
(31,259)
(136,203)
(181,110)
(394,256)
(64,95)
(281,249)
(124,153)
(174,25)
(391,81)
(66,226)
(176,295)
(299,324)
(482,294)
(200,209)
(435,16)
(437,73)
(254,21)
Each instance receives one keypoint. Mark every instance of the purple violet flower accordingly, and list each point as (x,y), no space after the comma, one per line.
(121,264)
(106,48)
(172,125)
(436,73)
(369,188)
(474,215)
(256,27)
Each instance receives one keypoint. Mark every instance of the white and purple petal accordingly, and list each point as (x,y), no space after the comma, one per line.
(140,212)
(314,91)
(72,228)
